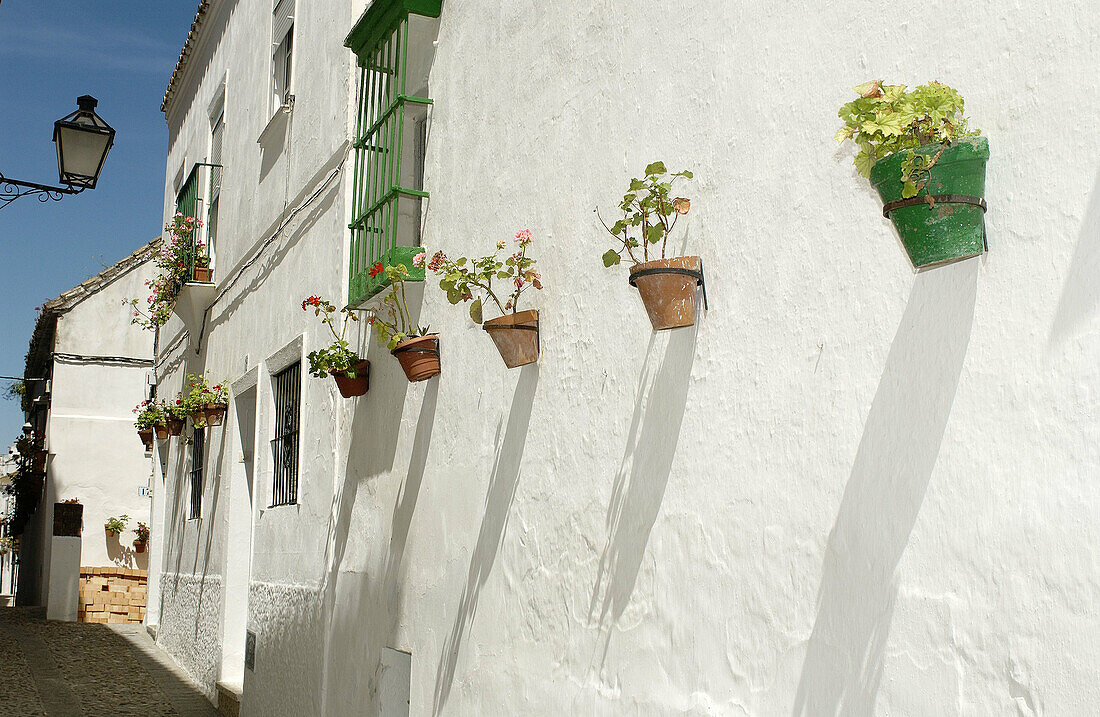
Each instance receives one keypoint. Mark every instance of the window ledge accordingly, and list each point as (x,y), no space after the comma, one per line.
(276,125)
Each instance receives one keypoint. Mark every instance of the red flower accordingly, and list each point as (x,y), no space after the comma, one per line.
(376,270)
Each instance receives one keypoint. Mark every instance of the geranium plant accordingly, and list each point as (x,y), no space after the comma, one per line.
(462,278)
(150,413)
(141,537)
(650,213)
(201,398)
(886,119)
(391,319)
(337,356)
(173,264)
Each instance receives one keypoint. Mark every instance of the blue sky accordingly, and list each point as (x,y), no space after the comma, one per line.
(52,51)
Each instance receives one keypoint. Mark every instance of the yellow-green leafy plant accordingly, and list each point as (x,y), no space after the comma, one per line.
(885,119)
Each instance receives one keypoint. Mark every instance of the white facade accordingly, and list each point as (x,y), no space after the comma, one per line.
(99,366)
(849,489)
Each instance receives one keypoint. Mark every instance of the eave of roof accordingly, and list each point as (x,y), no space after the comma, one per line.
(68,299)
(188,46)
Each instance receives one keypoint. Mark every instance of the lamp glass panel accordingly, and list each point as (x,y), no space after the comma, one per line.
(80,154)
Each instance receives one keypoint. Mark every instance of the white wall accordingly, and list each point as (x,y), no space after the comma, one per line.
(848,489)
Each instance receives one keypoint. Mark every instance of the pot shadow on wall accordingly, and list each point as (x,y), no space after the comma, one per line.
(893,464)
(125,556)
(639,487)
(503,482)
(1081,292)
(361,605)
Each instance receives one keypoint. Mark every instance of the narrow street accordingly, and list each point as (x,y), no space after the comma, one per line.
(63,669)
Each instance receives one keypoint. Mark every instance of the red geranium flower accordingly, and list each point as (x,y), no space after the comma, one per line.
(376,270)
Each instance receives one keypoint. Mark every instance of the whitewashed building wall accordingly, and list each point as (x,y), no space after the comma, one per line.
(848,489)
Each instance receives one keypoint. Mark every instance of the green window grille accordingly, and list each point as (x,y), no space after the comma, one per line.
(393,42)
(187,201)
(187,204)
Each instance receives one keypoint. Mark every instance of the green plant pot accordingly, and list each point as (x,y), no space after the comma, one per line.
(947,232)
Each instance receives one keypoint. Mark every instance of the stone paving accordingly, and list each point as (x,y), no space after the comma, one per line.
(63,669)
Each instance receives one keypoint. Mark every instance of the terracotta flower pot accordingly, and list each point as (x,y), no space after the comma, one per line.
(213,413)
(110,533)
(146,436)
(202,273)
(175,426)
(139,546)
(419,357)
(162,431)
(351,387)
(516,336)
(668,290)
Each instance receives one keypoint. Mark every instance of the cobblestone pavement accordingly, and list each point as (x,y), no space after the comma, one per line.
(63,669)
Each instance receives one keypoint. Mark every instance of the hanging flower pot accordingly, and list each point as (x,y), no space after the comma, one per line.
(651,212)
(146,436)
(668,289)
(926,164)
(202,274)
(516,336)
(213,413)
(161,430)
(419,357)
(205,404)
(352,373)
(352,386)
(142,539)
(175,425)
(515,333)
(945,221)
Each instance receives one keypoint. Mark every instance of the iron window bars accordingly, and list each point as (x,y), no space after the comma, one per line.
(393,44)
(284,447)
(198,454)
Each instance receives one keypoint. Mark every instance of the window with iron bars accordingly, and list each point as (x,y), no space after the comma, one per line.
(284,447)
(394,44)
(189,204)
(198,454)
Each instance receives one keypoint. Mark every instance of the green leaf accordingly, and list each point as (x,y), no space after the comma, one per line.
(475,310)
(655,233)
(635,185)
(504,275)
(864,163)
(909,189)
(611,258)
(655,168)
(618,227)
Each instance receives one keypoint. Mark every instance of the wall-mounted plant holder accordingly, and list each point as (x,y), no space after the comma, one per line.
(175,425)
(146,436)
(352,386)
(668,290)
(516,337)
(945,222)
(419,357)
(212,414)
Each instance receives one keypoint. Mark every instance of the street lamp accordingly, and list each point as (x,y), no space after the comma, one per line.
(83,140)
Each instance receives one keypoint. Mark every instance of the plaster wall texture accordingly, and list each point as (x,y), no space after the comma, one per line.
(848,489)
(96,456)
(188,628)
